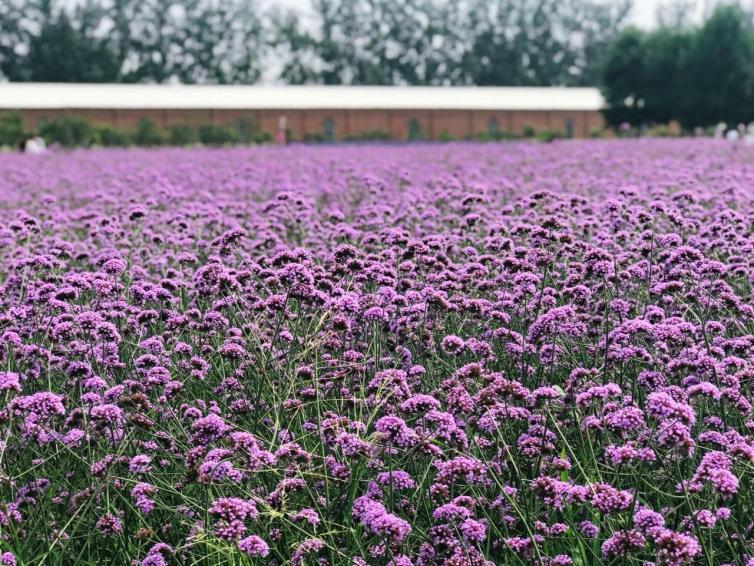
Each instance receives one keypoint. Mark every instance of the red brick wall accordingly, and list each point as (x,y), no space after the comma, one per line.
(594,121)
(457,123)
(539,120)
(481,121)
(363,121)
(460,124)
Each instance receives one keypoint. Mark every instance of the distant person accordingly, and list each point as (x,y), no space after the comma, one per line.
(282,136)
(36,145)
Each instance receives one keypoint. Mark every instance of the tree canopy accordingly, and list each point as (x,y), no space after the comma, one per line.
(414,42)
(696,76)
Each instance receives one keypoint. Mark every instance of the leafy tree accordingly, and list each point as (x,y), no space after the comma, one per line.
(623,77)
(208,41)
(20,22)
(192,41)
(495,55)
(718,77)
(416,42)
(372,42)
(41,41)
(62,53)
(644,74)
(539,42)
(600,24)
(665,57)
(221,42)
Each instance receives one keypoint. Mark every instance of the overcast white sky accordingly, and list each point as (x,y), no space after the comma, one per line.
(643,15)
(644,12)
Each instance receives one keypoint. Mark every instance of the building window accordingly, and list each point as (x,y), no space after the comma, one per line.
(328,133)
(493,128)
(414,129)
(569,127)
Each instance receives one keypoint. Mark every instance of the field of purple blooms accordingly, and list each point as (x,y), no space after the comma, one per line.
(455,355)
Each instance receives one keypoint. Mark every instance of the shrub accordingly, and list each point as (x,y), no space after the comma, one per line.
(68,131)
(112,137)
(660,131)
(262,137)
(182,134)
(548,136)
(211,134)
(148,134)
(445,136)
(12,129)
(495,136)
(369,135)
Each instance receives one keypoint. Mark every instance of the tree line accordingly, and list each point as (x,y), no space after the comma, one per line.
(695,75)
(360,42)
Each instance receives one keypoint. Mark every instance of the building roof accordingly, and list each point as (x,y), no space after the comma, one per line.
(145,96)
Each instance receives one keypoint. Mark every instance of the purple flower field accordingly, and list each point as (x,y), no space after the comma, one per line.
(421,355)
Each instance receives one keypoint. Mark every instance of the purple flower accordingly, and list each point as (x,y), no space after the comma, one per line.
(109,524)
(9,382)
(253,546)
(376,519)
(452,345)
(231,514)
(622,543)
(473,531)
(140,464)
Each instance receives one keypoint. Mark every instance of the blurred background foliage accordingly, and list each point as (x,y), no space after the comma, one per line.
(365,42)
(697,75)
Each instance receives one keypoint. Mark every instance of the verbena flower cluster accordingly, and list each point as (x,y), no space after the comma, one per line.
(455,355)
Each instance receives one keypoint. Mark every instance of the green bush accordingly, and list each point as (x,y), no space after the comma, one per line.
(112,137)
(660,131)
(182,134)
(262,137)
(369,135)
(71,131)
(495,136)
(68,131)
(528,132)
(210,134)
(148,134)
(12,129)
(445,136)
(548,136)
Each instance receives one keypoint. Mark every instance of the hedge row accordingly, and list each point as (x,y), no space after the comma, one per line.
(76,132)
